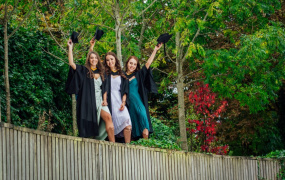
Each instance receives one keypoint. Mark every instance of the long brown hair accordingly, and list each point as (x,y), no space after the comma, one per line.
(99,65)
(138,63)
(117,65)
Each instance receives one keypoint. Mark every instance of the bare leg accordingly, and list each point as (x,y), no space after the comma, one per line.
(109,125)
(127,134)
(145,133)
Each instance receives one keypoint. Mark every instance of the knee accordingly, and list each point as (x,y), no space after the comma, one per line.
(128,128)
(145,132)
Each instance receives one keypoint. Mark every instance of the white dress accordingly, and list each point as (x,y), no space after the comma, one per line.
(121,119)
(98,95)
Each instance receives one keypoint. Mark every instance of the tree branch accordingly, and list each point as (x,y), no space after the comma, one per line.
(195,80)
(53,36)
(196,35)
(26,16)
(106,10)
(54,55)
(161,71)
(147,7)
(103,26)
(10,14)
(193,72)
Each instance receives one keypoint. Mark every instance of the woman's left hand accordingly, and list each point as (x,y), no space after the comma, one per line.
(104,103)
(122,106)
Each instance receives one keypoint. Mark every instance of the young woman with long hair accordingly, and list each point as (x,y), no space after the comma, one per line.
(116,96)
(89,84)
(140,83)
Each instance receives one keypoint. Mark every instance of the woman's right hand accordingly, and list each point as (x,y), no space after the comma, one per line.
(69,43)
(92,42)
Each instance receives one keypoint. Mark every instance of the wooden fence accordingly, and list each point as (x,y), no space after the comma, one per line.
(30,155)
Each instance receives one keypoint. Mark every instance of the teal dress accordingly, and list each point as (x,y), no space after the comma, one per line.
(137,110)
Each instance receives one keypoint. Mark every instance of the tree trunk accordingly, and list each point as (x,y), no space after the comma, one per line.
(6,69)
(180,89)
(118,30)
(75,130)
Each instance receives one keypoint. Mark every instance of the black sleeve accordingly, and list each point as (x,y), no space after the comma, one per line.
(105,85)
(126,86)
(75,79)
(148,81)
(143,72)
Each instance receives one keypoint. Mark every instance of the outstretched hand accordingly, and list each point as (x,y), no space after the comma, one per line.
(157,47)
(69,43)
(92,42)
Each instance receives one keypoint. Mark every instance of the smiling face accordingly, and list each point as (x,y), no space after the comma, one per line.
(111,62)
(132,65)
(93,60)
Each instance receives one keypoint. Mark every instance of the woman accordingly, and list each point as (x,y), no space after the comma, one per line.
(140,83)
(117,94)
(89,84)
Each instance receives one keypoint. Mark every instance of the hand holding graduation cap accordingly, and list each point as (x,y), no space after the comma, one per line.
(69,43)
(158,46)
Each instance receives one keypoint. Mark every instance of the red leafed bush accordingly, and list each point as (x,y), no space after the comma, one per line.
(205,130)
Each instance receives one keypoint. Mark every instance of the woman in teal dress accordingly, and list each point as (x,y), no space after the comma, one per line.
(140,84)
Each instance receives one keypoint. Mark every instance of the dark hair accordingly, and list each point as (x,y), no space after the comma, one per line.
(138,63)
(99,65)
(117,64)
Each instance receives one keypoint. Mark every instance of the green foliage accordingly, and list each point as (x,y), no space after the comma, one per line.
(253,73)
(276,154)
(162,137)
(252,134)
(37,81)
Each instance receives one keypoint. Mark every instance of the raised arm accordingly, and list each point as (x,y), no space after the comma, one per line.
(149,61)
(70,54)
(92,44)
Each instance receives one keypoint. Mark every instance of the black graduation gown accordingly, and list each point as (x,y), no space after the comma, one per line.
(146,85)
(124,89)
(79,82)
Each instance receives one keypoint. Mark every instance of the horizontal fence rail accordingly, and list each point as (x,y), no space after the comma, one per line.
(36,155)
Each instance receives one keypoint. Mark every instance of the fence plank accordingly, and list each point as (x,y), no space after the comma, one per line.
(101,161)
(64,158)
(53,143)
(4,150)
(76,166)
(86,160)
(79,157)
(8,151)
(49,158)
(83,161)
(12,151)
(32,155)
(93,157)
(57,159)
(68,159)
(128,152)
(133,163)
(60,144)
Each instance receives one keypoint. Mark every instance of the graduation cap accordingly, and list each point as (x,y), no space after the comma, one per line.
(98,34)
(164,38)
(74,36)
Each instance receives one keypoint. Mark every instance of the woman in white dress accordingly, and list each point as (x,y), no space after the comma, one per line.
(117,90)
